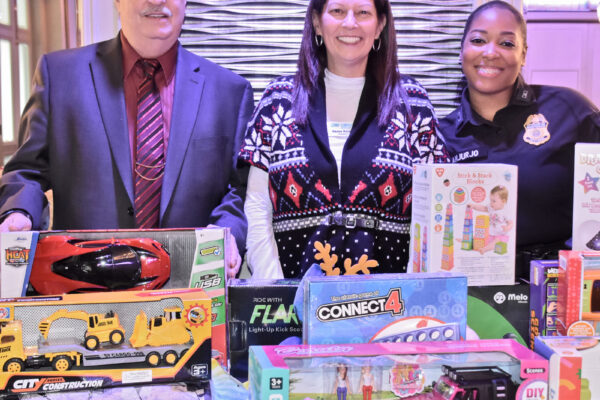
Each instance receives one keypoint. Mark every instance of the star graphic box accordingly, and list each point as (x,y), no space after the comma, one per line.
(464,221)
(586,197)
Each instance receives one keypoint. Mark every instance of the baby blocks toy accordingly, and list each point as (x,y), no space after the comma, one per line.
(98,340)
(574,364)
(578,293)
(485,369)
(469,213)
(384,308)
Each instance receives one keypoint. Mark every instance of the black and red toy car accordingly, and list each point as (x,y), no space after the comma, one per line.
(63,264)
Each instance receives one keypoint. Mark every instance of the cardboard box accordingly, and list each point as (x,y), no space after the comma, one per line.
(464,221)
(586,197)
(384,308)
(578,297)
(261,312)
(543,299)
(96,340)
(399,370)
(197,259)
(499,312)
(574,364)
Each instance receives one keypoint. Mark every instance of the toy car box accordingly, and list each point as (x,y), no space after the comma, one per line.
(498,312)
(482,369)
(574,364)
(586,197)
(578,293)
(261,312)
(464,220)
(95,340)
(384,307)
(48,263)
(543,289)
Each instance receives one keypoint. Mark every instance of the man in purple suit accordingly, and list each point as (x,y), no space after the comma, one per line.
(78,134)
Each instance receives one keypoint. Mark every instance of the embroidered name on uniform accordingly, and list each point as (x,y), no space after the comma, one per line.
(536,130)
(465,155)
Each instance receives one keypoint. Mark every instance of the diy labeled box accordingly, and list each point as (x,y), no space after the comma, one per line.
(464,221)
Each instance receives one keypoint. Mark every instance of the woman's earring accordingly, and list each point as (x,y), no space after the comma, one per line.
(378,41)
(319,40)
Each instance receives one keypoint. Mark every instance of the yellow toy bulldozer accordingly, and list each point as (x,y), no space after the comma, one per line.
(100,328)
(166,329)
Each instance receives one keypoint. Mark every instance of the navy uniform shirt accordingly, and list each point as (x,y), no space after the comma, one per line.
(537,132)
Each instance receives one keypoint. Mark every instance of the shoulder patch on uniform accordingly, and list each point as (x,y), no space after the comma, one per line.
(536,130)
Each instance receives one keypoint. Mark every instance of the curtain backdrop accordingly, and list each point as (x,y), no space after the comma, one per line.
(260,40)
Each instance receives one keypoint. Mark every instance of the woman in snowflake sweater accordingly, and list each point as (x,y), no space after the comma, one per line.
(331,149)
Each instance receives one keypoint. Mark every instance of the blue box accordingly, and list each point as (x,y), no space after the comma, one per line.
(384,308)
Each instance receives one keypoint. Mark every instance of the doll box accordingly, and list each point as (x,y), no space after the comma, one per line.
(398,370)
(574,366)
(197,259)
(384,307)
(578,295)
(464,220)
(97,340)
(586,197)
(543,290)
(261,312)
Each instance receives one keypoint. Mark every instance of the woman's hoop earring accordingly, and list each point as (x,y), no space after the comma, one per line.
(378,41)
(319,40)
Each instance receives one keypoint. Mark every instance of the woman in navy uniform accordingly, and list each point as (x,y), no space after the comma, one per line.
(331,149)
(502,119)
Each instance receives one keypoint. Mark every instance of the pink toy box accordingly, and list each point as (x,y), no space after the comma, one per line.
(543,292)
(574,366)
(482,369)
(464,221)
(578,298)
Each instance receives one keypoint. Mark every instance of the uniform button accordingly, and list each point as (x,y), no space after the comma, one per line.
(130,211)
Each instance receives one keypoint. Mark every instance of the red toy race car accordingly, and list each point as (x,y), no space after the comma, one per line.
(63,264)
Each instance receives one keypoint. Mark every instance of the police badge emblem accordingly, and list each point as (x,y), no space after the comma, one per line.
(536,130)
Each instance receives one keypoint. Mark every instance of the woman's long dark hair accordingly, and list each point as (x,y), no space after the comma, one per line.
(382,65)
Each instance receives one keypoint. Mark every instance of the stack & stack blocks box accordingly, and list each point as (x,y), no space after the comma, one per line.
(464,221)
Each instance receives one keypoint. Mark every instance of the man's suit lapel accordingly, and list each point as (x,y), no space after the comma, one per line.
(189,82)
(107,75)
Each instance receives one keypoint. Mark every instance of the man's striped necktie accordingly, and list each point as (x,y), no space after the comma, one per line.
(150,149)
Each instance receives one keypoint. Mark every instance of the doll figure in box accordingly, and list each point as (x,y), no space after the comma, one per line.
(367,382)
(500,224)
(342,383)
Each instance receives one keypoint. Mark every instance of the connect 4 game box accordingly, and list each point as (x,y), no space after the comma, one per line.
(384,308)
(464,221)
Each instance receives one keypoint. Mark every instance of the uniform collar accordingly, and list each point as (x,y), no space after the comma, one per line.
(523,95)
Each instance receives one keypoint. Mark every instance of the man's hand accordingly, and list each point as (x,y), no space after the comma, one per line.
(233,255)
(17,221)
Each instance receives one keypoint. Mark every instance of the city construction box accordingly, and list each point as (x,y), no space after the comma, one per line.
(383,308)
(464,221)
(586,197)
(261,312)
(56,262)
(97,340)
